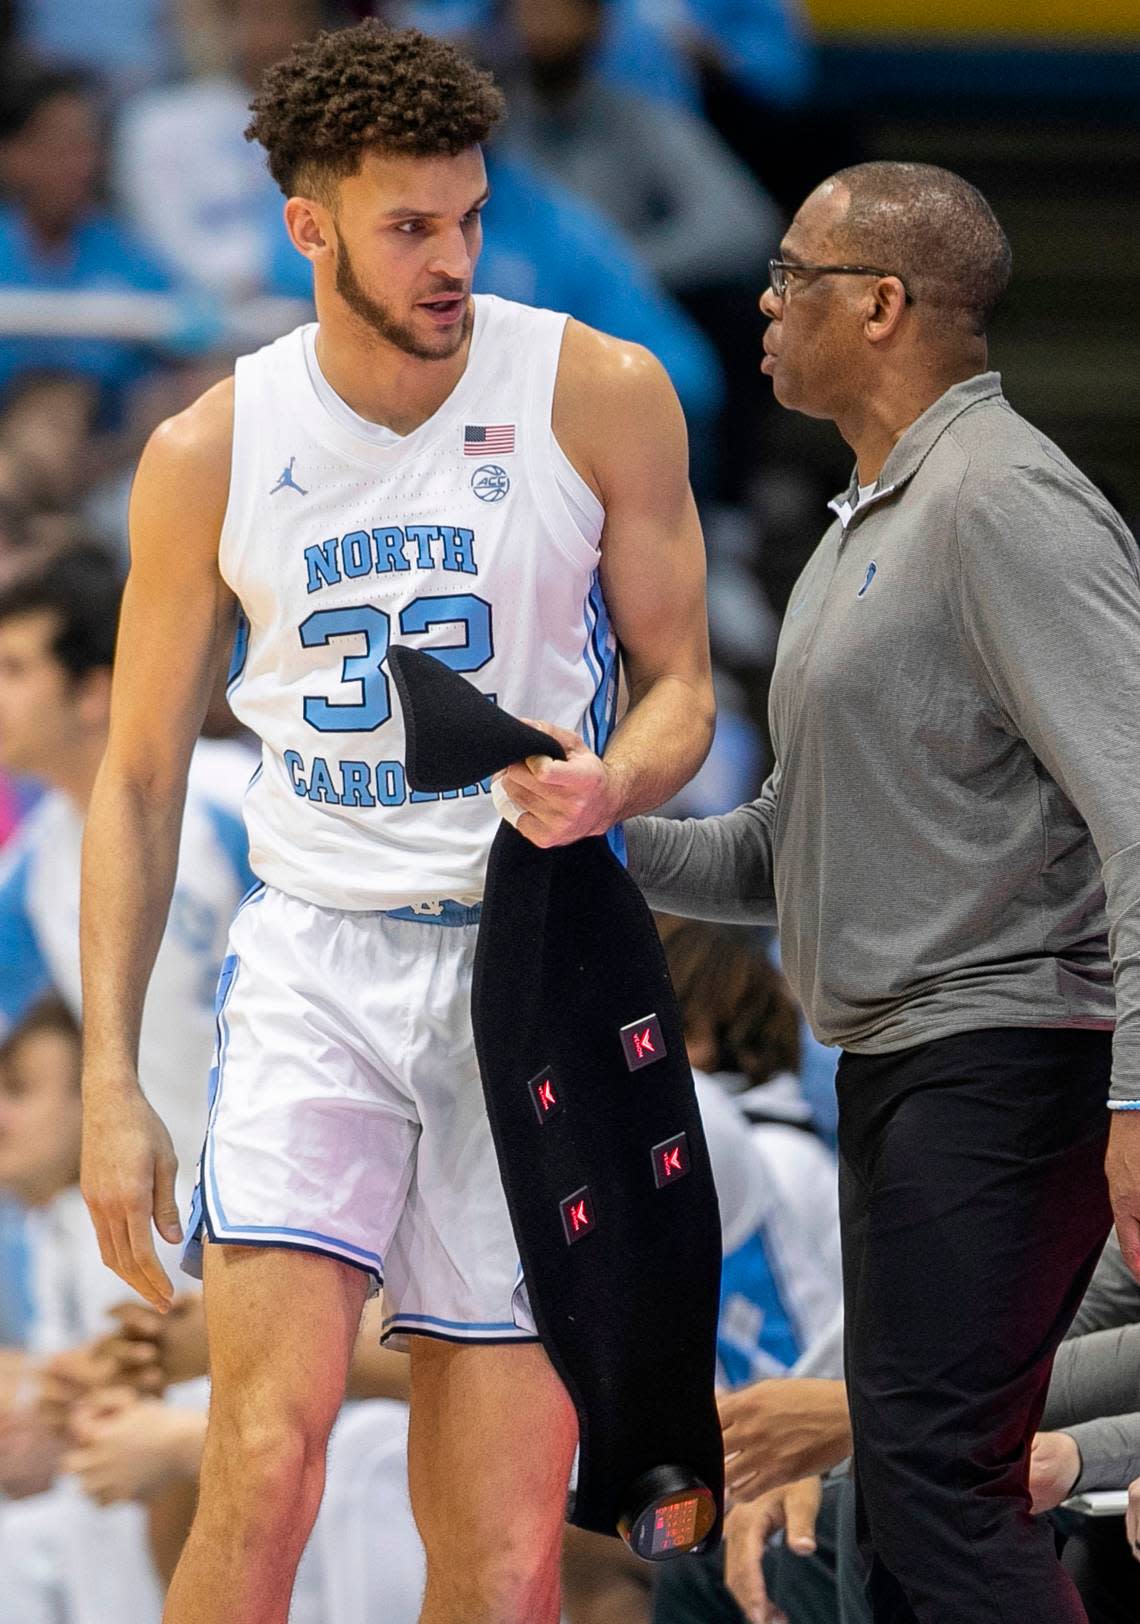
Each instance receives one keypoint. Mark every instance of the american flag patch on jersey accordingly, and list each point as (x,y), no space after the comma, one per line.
(484,439)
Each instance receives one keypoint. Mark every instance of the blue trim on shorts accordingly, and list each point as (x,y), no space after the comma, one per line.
(524,1338)
(456,1325)
(254,894)
(218,1239)
(450,913)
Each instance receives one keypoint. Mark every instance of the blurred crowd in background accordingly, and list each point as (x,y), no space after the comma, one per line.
(654,151)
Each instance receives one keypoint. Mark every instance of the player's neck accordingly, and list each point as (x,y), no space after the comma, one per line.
(378,381)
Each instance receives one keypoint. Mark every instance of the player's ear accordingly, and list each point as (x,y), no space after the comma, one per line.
(308,224)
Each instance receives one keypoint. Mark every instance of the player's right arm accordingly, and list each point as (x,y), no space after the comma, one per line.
(176,625)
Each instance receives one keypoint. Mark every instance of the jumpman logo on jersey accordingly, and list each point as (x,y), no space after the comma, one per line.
(287,482)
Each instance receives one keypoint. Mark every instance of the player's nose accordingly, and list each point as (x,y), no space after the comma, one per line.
(453,258)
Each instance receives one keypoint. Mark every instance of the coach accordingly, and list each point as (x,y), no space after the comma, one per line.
(950,844)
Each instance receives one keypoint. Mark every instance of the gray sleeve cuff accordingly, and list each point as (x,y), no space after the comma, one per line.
(706,868)
(1110,1452)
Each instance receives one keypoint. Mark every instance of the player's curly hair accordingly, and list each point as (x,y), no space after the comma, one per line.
(370,87)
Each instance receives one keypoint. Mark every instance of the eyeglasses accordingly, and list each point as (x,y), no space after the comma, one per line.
(779,270)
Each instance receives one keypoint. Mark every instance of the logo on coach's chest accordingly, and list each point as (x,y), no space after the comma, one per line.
(872,571)
(490,482)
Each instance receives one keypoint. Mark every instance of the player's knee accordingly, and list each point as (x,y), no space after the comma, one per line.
(273,1466)
(497,1587)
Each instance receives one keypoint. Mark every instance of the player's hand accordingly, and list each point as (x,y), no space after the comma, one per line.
(1132,1518)
(781,1429)
(1122,1165)
(127,1178)
(562,801)
(1054,1467)
(748,1528)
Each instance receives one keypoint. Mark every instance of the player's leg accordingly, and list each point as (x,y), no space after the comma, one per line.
(281,1327)
(492,1439)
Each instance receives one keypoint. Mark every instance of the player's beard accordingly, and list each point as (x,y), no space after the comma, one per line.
(386,325)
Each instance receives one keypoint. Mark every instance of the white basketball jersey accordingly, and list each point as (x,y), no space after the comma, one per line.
(472,538)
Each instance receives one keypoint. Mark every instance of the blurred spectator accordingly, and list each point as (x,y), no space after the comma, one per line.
(14,1305)
(79,1564)
(46,426)
(163,394)
(125,42)
(55,233)
(57,632)
(656,47)
(195,190)
(698,218)
(695,214)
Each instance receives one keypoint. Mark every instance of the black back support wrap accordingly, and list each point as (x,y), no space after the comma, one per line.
(597,1131)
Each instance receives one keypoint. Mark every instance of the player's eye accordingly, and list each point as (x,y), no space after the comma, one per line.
(410,228)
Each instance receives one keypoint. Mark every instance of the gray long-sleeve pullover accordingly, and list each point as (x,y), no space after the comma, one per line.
(955,711)
(1094,1393)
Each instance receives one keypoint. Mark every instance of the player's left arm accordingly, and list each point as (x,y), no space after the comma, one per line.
(618,419)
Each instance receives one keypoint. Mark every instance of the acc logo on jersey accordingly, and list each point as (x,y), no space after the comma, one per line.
(490,482)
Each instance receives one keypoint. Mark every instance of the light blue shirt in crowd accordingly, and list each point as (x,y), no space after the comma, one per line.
(764,44)
(100,255)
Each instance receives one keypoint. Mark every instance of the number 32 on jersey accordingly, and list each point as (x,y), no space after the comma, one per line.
(374,706)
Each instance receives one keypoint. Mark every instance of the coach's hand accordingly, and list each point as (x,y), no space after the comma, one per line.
(562,801)
(1123,1167)
(127,1178)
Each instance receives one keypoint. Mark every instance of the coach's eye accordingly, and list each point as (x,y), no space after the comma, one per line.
(410,227)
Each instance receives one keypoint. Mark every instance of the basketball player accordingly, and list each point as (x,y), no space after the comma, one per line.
(507,489)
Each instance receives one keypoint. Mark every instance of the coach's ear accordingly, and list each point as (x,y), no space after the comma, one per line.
(308,223)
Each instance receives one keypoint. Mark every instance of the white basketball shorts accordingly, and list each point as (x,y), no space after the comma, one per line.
(346,1113)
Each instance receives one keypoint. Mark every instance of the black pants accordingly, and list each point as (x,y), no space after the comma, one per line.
(973,1206)
(1099,1558)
